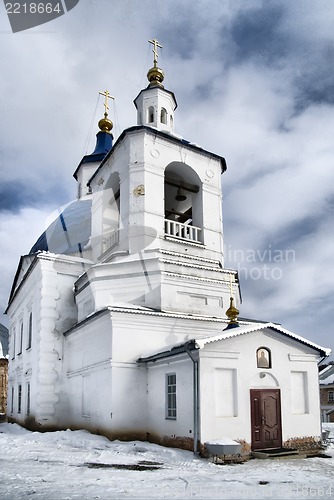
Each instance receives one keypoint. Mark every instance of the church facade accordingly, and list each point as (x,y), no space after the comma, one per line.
(117,314)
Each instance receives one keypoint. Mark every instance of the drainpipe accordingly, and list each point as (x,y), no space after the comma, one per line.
(195,398)
(319,363)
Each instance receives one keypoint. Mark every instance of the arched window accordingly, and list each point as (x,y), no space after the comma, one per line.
(151,114)
(263,357)
(111,206)
(163,116)
(183,203)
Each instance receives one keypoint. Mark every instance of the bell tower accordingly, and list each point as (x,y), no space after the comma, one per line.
(157,237)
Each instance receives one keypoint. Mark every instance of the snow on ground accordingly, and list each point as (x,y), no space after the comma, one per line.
(69,465)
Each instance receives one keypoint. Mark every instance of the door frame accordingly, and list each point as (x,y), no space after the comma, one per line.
(259,418)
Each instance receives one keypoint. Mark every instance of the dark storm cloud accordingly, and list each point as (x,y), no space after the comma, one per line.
(256,33)
(15,195)
(297,230)
(316,87)
(318,316)
(251,178)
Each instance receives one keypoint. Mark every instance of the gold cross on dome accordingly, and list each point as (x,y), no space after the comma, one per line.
(107,96)
(155,44)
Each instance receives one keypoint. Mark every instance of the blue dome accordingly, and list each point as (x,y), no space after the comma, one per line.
(69,232)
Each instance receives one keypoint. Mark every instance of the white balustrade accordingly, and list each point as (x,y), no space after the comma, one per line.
(182,231)
(110,241)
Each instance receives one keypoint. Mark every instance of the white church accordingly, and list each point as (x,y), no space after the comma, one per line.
(123,319)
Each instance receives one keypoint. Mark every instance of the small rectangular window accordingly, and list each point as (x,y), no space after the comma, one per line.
(29,331)
(12,401)
(171,396)
(19,398)
(28,399)
(20,339)
(331,397)
(13,340)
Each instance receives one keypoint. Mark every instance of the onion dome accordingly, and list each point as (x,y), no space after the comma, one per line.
(69,233)
(232,314)
(155,76)
(105,125)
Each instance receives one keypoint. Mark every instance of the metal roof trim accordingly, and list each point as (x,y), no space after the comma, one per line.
(255,327)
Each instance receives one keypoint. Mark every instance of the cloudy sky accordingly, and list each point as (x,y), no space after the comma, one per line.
(254,83)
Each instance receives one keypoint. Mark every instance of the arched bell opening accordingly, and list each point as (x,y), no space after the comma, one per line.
(183,203)
(163,116)
(111,204)
(150,114)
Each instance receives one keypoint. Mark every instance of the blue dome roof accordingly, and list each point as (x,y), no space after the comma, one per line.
(69,232)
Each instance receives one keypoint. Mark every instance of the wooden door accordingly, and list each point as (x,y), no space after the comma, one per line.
(266,418)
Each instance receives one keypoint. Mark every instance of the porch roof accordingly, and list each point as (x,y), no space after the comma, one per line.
(200,343)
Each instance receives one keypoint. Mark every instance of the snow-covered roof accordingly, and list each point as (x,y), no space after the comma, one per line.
(241,330)
(227,334)
(326,376)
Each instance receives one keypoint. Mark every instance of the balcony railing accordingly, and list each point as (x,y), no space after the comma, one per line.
(110,241)
(182,231)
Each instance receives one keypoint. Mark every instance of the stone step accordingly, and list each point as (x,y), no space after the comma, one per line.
(277,453)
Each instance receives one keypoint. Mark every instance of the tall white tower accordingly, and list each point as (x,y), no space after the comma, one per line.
(157,238)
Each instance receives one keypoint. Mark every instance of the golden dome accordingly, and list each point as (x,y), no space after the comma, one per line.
(155,76)
(232,312)
(105,124)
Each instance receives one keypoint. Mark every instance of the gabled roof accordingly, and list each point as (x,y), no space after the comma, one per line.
(24,268)
(235,332)
(28,262)
(227,334)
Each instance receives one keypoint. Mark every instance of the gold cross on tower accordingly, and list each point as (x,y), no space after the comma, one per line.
(107,96)
(231,286)
(155,44)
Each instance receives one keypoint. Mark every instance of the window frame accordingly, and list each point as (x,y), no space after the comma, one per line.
(14,342)
(19,398)
(28,399)
(170,394)
(330,396)
(20,346)
(150,114)
(29,331)
(163,116)
(12,400)
(267,357)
